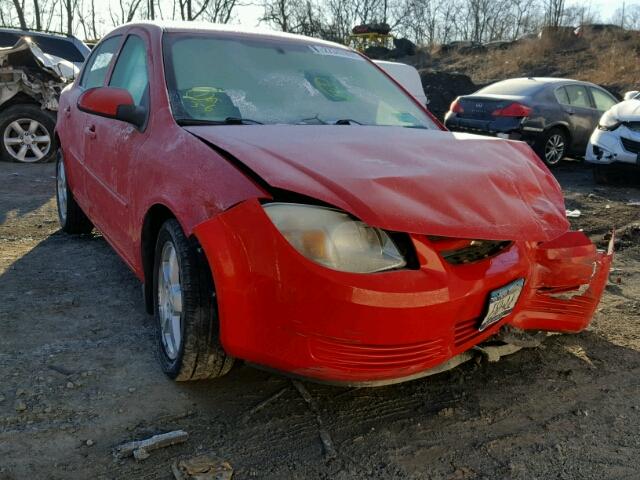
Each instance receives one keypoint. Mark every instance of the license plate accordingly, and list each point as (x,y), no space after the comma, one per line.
(501,303)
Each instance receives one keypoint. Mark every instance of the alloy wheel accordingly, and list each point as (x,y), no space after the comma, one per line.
(27,140)
(170,301)
(554,149)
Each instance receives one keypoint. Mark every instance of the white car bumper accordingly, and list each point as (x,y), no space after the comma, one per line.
(607,147)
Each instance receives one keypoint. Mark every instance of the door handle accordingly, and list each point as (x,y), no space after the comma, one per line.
(90,131)
(67,111)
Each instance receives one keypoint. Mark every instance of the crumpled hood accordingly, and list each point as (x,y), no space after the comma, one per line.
(406,180)
(627,111)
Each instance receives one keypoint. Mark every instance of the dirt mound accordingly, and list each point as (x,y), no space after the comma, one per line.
(443,87)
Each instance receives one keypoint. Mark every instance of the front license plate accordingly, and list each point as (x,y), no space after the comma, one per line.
(501,303)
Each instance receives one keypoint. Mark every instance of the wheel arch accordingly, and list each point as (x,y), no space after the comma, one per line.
(156,215)
(561,126)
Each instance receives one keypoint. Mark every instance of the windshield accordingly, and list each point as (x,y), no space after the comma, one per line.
(272,81)
(518,86)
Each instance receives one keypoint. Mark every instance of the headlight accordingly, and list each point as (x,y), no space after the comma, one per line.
(608,122)
(334,239)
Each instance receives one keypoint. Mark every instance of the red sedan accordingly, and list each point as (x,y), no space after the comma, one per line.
(285,202)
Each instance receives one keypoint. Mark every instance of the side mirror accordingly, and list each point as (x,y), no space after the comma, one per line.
(111,102)
(631,94)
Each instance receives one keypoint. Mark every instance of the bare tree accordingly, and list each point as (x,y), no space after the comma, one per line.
(554,12)
(19,6)
(192,9)
(220,11)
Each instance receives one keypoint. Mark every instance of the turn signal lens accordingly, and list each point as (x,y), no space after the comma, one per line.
(334,239)
(513,110)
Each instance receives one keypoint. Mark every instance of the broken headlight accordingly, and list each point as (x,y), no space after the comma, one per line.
(334,239)
(608,122)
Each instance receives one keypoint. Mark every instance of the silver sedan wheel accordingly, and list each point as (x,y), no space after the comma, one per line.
(61,192)
(554,149)
(170,301)
(27,140)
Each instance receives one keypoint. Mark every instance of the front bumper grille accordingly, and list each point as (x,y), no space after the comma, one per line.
(631,145)
(473,251)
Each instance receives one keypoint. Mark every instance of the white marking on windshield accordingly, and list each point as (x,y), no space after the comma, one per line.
(334,52)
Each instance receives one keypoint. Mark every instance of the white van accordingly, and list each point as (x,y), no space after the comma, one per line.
(407,76)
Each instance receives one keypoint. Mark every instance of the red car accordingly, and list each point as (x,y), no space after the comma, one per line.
(285,202)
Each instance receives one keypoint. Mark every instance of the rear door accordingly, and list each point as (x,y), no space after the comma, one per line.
(112,147)
(575,101)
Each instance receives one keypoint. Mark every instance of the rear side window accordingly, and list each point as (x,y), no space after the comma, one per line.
(603,101)
(561,96)
(8,39)
(96,68)
(578,96)
(59,47)
(130,71)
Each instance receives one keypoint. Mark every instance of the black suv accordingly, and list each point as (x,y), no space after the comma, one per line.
(555,116)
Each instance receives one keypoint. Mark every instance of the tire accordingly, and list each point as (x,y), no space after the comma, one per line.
(27,134)
(552,146)
(71,217)
(185,309)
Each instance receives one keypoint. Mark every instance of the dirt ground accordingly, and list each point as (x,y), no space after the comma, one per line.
(78,376)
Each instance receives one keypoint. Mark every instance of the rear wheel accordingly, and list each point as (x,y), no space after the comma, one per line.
(72,218)
(552,146)
(185,310)
(27,134)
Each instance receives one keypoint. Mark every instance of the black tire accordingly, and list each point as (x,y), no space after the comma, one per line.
(71,217)
(199,354)
(549,142)
(23,114)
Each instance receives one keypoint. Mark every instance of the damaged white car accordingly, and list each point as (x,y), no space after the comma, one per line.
(616,140)
(30,85)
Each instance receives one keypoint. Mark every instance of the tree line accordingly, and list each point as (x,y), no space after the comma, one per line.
(425,22)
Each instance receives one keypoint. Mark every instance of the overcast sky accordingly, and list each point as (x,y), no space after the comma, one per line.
(249,15)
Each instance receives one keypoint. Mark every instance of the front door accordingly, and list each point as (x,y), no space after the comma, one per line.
(112,146)
(93,75)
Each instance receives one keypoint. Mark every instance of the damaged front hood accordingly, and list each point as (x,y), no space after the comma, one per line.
(627,111)
(25,68)
(406,180)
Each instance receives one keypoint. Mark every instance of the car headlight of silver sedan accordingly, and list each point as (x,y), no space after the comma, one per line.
(334,239)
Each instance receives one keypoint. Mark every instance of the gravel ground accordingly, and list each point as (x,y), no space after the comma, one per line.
(78,377)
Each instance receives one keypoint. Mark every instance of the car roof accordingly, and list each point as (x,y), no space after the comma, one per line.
(40,33)
(549,80)
(199,27)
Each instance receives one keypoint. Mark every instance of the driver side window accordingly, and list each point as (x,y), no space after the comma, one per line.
(96,68)
(130,71)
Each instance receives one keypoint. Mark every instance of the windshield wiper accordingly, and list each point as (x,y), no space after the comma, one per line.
(184,122)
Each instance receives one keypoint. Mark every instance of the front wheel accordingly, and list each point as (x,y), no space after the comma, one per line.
(27,134)
(552,146)
(185,310)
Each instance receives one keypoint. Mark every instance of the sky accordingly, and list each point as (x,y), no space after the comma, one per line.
(606,7)
(250,15)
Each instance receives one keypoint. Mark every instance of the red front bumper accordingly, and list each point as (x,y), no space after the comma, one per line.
(280,310)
